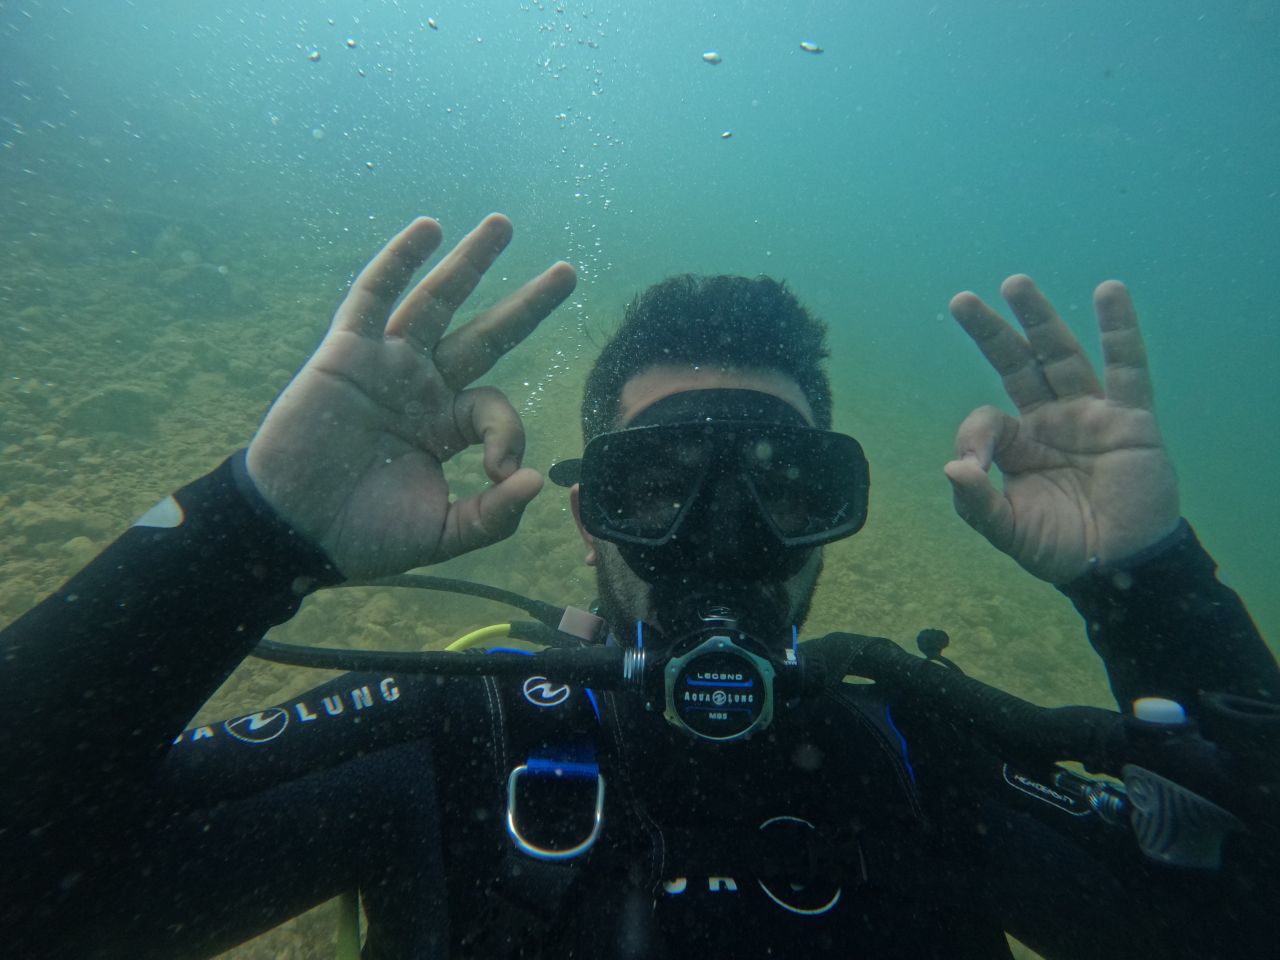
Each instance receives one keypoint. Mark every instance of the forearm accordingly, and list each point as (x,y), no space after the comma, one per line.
(99,678)
(1166,626)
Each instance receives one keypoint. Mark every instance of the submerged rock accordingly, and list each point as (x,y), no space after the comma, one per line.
(198,287)
(42,522)
(119,408)
(79,551)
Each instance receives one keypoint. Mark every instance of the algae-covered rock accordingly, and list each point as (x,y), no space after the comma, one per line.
(44,522)
(79,551)
(198,287)
(119,408)
(243,374)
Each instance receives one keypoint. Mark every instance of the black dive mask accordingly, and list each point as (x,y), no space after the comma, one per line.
(730,485)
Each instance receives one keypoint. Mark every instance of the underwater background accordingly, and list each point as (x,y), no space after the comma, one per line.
(187,189)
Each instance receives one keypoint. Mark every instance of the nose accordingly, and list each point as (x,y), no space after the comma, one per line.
(730,534)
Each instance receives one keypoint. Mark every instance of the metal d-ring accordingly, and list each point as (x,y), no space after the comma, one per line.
(542,853)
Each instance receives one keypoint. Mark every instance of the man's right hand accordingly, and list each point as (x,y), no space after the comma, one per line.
(351,452)
(1086,477)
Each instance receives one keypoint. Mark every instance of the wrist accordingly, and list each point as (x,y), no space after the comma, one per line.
(1179,534)
(1154,568)
(313,562)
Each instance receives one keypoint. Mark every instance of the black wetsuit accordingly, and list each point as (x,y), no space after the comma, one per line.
(116,840)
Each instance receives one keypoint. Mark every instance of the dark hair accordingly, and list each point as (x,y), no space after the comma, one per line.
(752,324)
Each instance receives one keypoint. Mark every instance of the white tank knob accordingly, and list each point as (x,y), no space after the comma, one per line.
(1159,710)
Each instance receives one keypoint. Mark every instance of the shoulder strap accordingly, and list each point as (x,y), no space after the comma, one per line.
(554,788)
(552,803)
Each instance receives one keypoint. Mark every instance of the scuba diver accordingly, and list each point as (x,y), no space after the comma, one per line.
(678,774)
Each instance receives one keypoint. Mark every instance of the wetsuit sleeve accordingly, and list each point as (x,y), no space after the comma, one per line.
(1052,871)
(96,680)
(1165,626)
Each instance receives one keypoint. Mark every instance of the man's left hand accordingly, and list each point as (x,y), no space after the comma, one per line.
(1086,476)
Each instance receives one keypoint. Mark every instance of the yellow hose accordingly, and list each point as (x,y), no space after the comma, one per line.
(497,631)
(349,926)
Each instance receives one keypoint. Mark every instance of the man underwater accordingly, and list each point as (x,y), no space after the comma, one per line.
(476,816)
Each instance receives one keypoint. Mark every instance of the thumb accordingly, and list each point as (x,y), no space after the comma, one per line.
(978,502)
(489,516)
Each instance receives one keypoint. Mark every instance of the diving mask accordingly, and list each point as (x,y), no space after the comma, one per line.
(731,483)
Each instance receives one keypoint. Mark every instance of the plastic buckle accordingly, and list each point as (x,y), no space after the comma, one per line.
(543,768)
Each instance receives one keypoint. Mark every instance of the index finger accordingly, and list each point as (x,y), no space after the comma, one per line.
(1005,349)
(366,307)
(428,310)
(468,352)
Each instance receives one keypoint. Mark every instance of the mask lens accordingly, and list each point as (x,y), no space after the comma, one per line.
(811,484)
(638,483)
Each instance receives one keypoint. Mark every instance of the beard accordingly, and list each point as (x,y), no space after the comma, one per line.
(624,597)
(766,608)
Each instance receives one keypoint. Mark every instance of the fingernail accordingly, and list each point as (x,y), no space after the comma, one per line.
(509,465)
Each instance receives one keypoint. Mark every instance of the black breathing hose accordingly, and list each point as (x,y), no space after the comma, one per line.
(590,666)
(1230,754)
(545,613)
(1087,734)
(1245,780)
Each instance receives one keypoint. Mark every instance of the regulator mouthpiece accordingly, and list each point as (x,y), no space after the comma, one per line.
(715,681)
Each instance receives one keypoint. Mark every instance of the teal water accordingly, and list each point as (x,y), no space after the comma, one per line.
(187,189)
(931,147)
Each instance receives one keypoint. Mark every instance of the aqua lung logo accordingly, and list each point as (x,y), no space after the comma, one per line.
(268,724)
(541,692)
(258,727)
(718,697)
